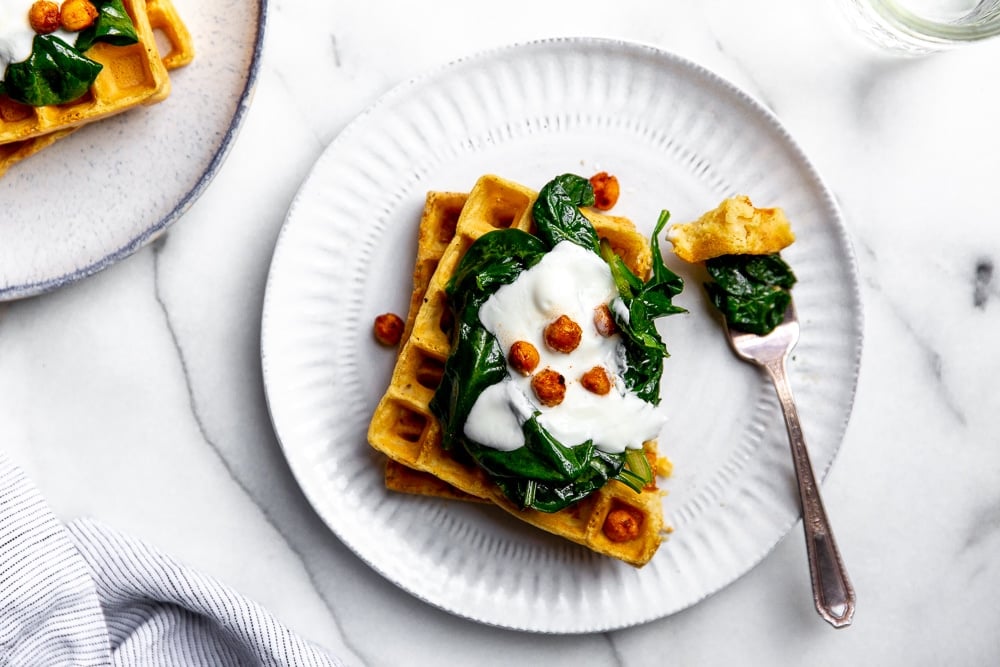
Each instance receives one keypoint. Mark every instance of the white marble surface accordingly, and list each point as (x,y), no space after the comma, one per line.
(135,396)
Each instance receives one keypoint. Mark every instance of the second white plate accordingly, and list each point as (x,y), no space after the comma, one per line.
(678,137)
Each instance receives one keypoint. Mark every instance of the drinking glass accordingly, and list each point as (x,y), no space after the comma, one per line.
(923,26)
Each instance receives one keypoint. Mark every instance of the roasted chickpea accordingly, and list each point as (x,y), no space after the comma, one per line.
(44,17)
(604,322)
(523,357)
(563,335)
(388,329)
(77,15)
(596,380)
(622,524)
(549,386)
(606,190)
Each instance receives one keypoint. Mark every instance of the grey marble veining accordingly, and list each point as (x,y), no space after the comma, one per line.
(135,396)
(982,284)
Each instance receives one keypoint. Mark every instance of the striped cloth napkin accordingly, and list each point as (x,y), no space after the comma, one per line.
(82,594)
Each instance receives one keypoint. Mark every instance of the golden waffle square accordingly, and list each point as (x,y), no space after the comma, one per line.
(178,50)
(404,428)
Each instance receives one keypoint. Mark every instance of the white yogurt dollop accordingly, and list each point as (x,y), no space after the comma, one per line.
(570,281)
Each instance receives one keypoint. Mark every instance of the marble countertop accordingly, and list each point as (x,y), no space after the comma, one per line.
(135,396)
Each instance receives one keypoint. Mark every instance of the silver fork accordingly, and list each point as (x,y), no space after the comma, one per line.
(832,590)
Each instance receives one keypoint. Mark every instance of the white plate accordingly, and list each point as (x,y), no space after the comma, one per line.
(678,137)
(102,193)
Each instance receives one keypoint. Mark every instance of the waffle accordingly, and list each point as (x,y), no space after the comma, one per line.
(15,151)
(403,426)
(402,479)
(437,228)
(165,21)
(734,227)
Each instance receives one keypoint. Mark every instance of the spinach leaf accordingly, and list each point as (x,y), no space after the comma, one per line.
(495,259)
(543,458)
(54,73)
(557,212)
(627,283)
(769,270)
(113,25)
(476,360)
(664,280)
(552,497)
(644,302)
(751,291)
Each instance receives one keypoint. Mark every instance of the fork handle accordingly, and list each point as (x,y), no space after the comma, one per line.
(832,589)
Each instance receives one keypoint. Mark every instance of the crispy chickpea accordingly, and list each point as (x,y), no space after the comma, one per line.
(549,386)
(77,15)
(604,322)
(388,329)
(44,17)
(596,381)
(606,190)
(563,335)
(523,357)
(622,524)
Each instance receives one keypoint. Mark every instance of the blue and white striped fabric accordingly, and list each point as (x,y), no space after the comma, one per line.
(82,594)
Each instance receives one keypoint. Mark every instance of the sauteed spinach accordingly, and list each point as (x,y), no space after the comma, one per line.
(56,72)
(751,291)
(545,474)
(644,349)
(113,25)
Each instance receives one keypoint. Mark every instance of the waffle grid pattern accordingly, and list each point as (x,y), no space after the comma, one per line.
(403,427)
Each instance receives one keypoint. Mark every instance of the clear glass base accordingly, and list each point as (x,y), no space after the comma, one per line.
(918,27)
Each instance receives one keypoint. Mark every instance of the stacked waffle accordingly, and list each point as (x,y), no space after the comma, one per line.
(132,75)
(403,426)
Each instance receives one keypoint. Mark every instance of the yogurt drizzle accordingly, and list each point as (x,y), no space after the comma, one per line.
(568,280)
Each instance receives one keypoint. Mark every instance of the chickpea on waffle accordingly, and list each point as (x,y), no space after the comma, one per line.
(132,75)
(615,520)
